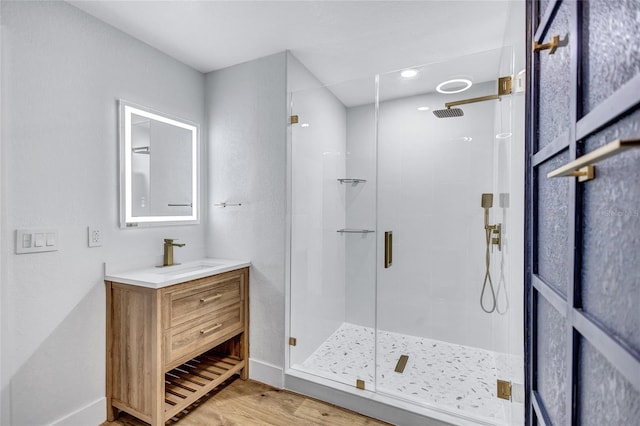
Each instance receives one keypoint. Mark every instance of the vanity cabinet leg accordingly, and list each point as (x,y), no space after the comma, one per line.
(244,353)
(112,412)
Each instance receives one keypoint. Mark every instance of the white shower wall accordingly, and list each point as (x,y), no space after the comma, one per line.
(360,213)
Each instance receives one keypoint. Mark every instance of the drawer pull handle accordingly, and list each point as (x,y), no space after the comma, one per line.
(209,330)
(211,299)
(551,46)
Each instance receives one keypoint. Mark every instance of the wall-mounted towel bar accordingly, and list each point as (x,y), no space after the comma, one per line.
(583,168)
(141,150)
(355,231)
(180,205)
(350,180)
(223,205)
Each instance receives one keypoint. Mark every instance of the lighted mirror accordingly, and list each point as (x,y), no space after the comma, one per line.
(158,168)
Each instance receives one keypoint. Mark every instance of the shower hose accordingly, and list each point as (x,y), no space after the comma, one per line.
(487,276)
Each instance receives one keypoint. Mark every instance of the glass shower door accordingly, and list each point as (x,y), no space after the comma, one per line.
(442,336)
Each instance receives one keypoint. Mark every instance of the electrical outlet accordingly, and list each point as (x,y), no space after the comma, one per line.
(95,236)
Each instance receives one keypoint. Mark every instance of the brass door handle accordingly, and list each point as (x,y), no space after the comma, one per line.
(211,299)
(388,249)
(552,45)
(584,168)
(209,330)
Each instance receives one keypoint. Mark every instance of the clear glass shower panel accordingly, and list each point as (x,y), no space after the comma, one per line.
(442,342)
(333,184)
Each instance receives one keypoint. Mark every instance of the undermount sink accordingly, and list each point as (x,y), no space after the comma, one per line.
(158,277)
(183,269)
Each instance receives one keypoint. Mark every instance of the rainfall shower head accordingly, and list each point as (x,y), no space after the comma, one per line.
(448,112)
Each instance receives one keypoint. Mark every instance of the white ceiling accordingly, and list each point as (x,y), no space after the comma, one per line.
(336,40)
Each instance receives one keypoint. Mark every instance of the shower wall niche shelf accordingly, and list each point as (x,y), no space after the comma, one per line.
(167,347)
(353,181)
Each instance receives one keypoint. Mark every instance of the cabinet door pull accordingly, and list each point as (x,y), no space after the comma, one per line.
(209,330)
(211,299)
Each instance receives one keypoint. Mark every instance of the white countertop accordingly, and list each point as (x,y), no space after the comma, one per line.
(159,277)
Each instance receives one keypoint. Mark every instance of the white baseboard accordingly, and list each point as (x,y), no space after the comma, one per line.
(266,373)
(94,413)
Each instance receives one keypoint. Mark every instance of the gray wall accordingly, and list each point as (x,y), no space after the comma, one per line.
(62,72)
(246,116)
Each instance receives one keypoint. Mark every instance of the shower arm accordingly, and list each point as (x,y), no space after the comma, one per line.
(504,88)
(471,101)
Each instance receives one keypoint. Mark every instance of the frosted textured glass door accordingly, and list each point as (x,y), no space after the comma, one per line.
(585,282)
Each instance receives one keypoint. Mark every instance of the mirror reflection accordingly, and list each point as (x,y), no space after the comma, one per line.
(159,157)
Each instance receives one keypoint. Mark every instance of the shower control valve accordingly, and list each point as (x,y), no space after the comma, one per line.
(496,230)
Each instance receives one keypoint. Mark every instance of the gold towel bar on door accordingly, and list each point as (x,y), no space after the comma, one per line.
(552,45)
(584,168)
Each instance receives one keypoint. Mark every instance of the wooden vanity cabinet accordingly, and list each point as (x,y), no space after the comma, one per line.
(168,347)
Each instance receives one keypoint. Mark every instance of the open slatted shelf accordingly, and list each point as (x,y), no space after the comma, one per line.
(187,383)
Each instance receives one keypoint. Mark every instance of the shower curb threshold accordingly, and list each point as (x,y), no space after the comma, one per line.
(381,407)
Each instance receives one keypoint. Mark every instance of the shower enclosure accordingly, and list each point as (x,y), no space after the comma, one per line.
(389,249)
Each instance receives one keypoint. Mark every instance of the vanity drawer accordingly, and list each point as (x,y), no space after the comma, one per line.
(208,295)
(196,336)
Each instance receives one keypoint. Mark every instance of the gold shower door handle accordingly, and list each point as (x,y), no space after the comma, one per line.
(388,249)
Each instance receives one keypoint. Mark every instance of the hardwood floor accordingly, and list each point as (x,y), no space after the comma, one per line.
(249,403)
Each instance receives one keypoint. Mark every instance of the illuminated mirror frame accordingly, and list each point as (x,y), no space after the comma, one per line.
(127,220)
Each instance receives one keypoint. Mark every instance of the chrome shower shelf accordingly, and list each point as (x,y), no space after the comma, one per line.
(350,180)
(223,205)
(355,231)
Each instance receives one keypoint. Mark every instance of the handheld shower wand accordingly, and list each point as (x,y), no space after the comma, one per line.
(487,203)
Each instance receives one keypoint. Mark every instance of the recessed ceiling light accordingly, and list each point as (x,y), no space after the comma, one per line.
(304,125)
(457,85)
(409,73)
(423,108)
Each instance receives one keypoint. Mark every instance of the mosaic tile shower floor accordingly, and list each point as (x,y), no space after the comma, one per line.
(457,378)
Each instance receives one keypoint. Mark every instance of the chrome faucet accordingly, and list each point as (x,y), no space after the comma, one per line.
(168,251)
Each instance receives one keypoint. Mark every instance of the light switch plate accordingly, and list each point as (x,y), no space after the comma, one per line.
(36,240)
